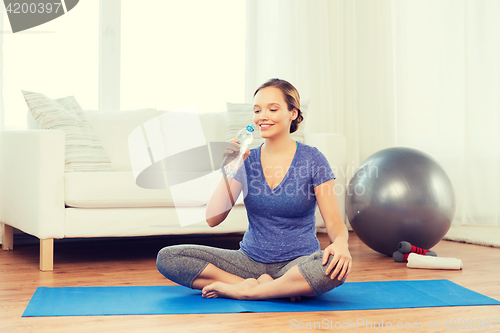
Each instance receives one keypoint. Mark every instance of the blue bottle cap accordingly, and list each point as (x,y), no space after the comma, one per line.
(250,128)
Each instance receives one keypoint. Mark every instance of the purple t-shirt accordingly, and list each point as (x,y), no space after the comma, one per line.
(282,220)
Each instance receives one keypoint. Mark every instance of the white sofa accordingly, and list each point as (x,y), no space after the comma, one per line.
(39,198)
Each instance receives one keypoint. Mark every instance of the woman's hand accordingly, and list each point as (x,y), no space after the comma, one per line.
(342,260)
(232,150)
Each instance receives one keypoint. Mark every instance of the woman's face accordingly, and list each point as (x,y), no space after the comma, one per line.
(271,113)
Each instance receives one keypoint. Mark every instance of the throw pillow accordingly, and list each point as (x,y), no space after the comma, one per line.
(240,115)
(83,151)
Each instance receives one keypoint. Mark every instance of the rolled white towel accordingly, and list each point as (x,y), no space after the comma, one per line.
(419,261)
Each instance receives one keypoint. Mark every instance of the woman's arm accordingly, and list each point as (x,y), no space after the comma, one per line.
(220,204)
(336,229)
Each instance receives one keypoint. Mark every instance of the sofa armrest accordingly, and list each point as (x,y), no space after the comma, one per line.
(334,147)
(32,181)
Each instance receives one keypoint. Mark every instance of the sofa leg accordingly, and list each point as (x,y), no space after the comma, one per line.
(7,237)
(47,254)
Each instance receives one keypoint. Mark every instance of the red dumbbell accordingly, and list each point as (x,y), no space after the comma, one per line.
(405,248)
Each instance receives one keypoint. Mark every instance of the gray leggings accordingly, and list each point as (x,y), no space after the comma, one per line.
(183,263)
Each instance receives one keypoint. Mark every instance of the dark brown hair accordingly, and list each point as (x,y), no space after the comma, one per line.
(292,98)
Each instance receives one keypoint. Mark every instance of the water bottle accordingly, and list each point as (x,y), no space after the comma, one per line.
(245,138)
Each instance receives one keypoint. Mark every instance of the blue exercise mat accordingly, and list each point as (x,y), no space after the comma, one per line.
(97,301)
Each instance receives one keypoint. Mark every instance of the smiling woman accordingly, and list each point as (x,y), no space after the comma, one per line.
(284,97)
(279,255)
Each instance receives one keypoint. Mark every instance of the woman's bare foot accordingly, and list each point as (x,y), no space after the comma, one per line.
(291,284)
(241,291)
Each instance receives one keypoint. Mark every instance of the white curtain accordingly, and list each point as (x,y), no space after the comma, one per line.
(423,74)
(429,74)
(311,44)
(1,88)
(2,122)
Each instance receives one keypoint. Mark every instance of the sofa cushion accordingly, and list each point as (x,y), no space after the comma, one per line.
(239,115)
(113,129)
(84,151)
(122,222)
(116,190)
(214,126)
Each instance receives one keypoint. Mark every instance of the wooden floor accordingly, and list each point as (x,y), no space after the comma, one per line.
(125,262)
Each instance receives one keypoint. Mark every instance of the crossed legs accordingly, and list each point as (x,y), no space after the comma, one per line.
(232,274)
(215,282)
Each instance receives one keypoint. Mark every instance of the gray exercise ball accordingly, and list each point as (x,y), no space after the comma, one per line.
(400,194)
